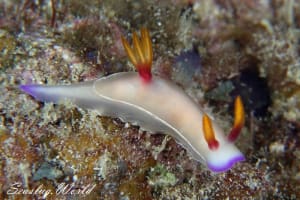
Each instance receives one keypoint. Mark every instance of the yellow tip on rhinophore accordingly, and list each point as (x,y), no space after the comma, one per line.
(239,113)
(209,134)
(239,119)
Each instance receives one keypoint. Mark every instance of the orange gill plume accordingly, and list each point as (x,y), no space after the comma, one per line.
(209,134)
(239,119)
(140,54)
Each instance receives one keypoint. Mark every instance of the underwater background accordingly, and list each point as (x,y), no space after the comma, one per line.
(214,50)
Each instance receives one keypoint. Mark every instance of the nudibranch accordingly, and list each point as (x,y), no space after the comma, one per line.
(154,104)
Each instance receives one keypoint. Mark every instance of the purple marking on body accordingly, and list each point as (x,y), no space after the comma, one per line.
(226,166)
(37,92)
(29,89)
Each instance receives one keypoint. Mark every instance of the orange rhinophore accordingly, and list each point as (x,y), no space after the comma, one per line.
(209,134)
(239,119)
(141,53)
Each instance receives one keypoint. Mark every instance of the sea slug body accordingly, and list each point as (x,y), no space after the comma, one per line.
(155,104)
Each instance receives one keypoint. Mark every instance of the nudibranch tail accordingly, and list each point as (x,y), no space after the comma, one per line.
(80,93)
(209,134)
(140,54)
(239,119)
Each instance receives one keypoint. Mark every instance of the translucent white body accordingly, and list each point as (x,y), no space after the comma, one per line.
(158,106)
